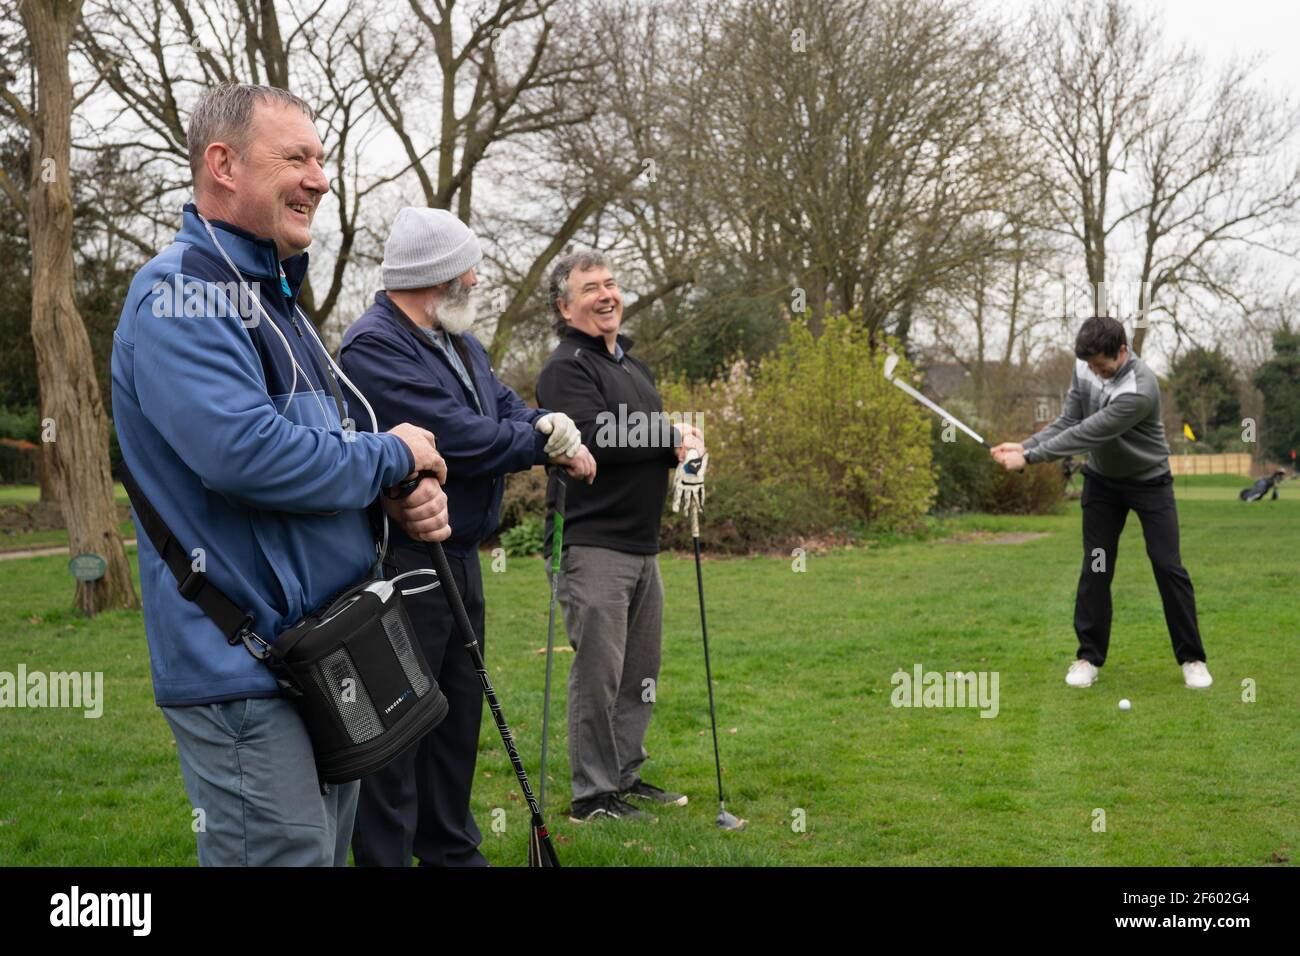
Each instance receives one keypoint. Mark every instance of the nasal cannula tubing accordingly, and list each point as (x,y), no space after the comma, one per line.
(374,422)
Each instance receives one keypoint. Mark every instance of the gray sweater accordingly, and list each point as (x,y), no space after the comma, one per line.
(1115,421)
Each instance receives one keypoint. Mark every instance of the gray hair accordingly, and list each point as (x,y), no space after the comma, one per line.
(559,288)
(224,114)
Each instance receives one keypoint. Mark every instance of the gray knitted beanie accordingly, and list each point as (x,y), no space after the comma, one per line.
(427,247)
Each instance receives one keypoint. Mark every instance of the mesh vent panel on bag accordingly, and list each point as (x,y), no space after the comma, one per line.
(357,711)
(395,628)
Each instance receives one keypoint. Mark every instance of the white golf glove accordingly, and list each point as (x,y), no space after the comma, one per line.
(565,438)
(688,485)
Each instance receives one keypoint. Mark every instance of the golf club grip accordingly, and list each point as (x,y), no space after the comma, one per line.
(988,447)
(557,522)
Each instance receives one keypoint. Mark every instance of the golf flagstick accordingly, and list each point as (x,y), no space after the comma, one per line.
(726,820)
(557,552)
(546,854)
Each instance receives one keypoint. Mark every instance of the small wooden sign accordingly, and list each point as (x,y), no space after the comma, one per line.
(88,567)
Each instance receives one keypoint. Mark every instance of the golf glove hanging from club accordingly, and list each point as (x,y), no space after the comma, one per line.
(688,485)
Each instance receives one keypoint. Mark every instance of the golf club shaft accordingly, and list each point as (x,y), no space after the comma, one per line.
(557,553)
(708,670)
(938,410)
(441,565)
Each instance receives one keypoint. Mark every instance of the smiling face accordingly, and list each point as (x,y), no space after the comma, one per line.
(1103,366)
(595,304)
(272,184)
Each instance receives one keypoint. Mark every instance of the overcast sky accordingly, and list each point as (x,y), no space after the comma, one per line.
(1221,29)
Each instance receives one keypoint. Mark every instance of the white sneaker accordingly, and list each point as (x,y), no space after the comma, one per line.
(1196,675)
(1082,674)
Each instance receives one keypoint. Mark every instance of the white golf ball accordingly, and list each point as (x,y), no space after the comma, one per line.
(1124,704)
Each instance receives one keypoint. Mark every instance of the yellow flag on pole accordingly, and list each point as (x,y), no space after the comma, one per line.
(1187,430)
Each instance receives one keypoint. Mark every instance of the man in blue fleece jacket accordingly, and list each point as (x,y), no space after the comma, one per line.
(225,420)
(412,355)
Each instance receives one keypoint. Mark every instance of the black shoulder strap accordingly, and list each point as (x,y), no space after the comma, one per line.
(235,623)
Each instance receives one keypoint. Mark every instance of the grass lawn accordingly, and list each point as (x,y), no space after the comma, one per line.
(25,494)
(802,666)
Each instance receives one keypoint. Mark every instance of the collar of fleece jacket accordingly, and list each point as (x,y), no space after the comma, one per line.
(597,342)
(254,256)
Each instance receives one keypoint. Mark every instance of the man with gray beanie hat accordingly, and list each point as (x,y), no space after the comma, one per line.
(412,355)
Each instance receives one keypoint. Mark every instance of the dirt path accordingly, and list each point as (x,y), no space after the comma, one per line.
(44,552)
(988,537)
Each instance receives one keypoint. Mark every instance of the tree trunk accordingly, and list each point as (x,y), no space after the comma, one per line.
(45,464)
(69,390)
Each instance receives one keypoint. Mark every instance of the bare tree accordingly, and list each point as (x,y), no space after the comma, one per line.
(156,56)
(71,406)
(1141,139)
(851,147)
(510,76)
(631,162)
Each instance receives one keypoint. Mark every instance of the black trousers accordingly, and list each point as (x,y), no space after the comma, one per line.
(1106,504)
(419,804)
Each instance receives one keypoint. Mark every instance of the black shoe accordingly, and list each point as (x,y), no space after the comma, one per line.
(604,805)
(646,791)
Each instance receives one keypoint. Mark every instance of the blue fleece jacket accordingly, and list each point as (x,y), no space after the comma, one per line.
(406,378)
(267,485)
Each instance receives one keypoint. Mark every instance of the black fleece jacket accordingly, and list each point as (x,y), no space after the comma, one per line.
(632,445)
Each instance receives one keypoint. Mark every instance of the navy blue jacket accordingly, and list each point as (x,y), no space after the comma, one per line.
(406,378)
(268,486)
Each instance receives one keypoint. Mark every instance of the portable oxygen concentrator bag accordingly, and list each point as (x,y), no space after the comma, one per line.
(353,666)
(363,687)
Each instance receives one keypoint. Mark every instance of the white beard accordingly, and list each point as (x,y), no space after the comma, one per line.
(458,311)
(455,319)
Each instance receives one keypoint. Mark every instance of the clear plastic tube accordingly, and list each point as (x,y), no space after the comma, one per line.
(374,422)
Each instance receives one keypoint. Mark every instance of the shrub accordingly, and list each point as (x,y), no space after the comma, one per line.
(969,480)
(524,498)
(742,516)
(964,470)
(19,463)
(830,422)
(812,440)
(1039,489)
(525,538)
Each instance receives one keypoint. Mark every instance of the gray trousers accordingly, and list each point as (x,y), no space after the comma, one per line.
(613,609)
(248,766)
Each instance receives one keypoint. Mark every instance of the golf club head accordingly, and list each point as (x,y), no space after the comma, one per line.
(729,821)
(891,363)
(541,855)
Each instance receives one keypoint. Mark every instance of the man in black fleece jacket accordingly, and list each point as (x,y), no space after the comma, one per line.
(610,587)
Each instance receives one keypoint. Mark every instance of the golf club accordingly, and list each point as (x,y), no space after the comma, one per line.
(891,362)
(546,851)
(726,820)
(557,551)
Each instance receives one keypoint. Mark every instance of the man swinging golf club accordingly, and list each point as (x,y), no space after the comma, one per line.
(1112,414)
(609,587)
